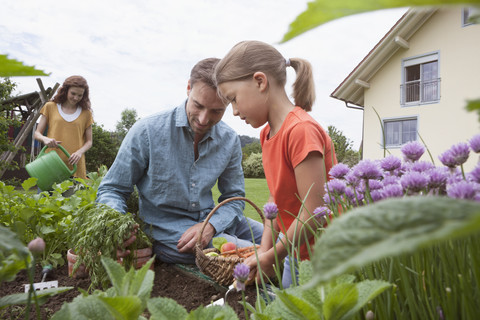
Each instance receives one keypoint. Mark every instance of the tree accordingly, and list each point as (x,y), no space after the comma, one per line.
(128,119)
(343,147)
(253,166)
(7,122)
(103,150)
(253,147)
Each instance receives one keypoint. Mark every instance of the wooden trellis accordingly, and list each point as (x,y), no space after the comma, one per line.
(28,106)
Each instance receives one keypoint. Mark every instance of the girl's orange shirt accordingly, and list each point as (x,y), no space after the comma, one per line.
(72,134)
(299,135)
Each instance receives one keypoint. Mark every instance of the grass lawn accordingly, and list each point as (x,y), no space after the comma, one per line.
(256,190)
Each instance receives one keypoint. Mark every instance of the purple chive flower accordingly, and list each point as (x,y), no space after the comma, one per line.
(335,186)
(388,180)
(367,169)
(462,190)
(414,182)
(421,166)
(240,273)
(392,191)
(376,195)
(328,199)
(448,159)
(412,151)
(354,196)
(475,143)
(390,163)
(474,175)
(270,210)
(352,179)
(321,214)
(437,177)
(339,171)
(460,153)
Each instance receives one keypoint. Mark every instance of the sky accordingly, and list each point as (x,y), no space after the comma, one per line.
(138,54)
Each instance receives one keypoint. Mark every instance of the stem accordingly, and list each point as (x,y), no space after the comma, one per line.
(245,305)
(277,269)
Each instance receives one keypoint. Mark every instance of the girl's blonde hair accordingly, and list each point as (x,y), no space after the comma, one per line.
(248,57)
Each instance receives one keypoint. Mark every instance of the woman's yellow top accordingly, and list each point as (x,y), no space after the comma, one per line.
(70,130)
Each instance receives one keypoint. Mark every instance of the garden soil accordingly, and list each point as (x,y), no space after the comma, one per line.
(184,287)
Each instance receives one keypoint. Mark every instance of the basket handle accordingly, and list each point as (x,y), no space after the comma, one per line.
(199,234)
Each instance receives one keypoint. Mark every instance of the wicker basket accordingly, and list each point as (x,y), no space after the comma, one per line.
(218,268)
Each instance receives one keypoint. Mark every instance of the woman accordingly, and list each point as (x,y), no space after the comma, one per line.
(69,119)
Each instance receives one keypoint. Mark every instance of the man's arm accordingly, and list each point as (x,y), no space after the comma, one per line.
(231,183)
(127,169)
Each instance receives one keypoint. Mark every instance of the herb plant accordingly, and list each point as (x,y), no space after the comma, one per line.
(98,231)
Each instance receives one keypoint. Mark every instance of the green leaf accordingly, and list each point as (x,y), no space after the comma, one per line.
(390,228)
(321,11)
(115,272)
(29,183)
(14,68)
(339,301)
(367,291)
(474,105)
(165,308)
(125,307)
(298,306)
(213,312)
(305,272)
(22,298)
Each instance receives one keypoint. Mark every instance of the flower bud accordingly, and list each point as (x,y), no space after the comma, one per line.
(37,245)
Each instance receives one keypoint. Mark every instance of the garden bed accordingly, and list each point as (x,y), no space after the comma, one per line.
(170,281)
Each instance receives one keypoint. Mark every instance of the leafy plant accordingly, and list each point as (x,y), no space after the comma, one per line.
(14,256)
(47,214)
(98,231)
(128,298)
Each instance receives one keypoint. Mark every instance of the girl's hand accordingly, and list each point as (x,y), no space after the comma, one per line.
(75,157)
(266,261)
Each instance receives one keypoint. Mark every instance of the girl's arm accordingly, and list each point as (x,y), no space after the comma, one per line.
(310,176)
(75,157)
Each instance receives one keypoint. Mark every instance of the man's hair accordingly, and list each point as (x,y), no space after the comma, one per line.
(203,71)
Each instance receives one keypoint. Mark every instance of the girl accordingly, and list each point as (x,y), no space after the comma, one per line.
(297,153)
(69,120)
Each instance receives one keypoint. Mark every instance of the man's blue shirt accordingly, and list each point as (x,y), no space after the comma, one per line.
(157,155)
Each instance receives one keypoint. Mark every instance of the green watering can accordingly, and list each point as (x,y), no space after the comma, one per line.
(49,168)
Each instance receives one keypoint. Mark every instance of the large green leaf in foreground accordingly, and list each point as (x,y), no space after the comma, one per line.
(322,11)
(390,228)
(14,68)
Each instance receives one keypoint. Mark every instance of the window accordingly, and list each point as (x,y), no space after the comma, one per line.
(400,131)
(421,83)
(468,12)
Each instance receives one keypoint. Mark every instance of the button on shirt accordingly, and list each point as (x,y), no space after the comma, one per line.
(157,156)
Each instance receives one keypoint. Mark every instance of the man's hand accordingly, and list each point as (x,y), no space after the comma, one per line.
(189,238)
(121,252)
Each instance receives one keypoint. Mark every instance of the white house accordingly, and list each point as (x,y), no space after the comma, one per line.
(414,84)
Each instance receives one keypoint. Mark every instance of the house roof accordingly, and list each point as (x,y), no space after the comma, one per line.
(351,90)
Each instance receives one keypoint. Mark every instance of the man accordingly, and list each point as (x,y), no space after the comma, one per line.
(174,159)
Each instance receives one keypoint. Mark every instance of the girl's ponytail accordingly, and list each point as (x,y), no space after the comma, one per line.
(303,87)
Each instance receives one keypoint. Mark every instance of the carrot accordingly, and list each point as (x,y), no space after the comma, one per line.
(238,250)
(248,254)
